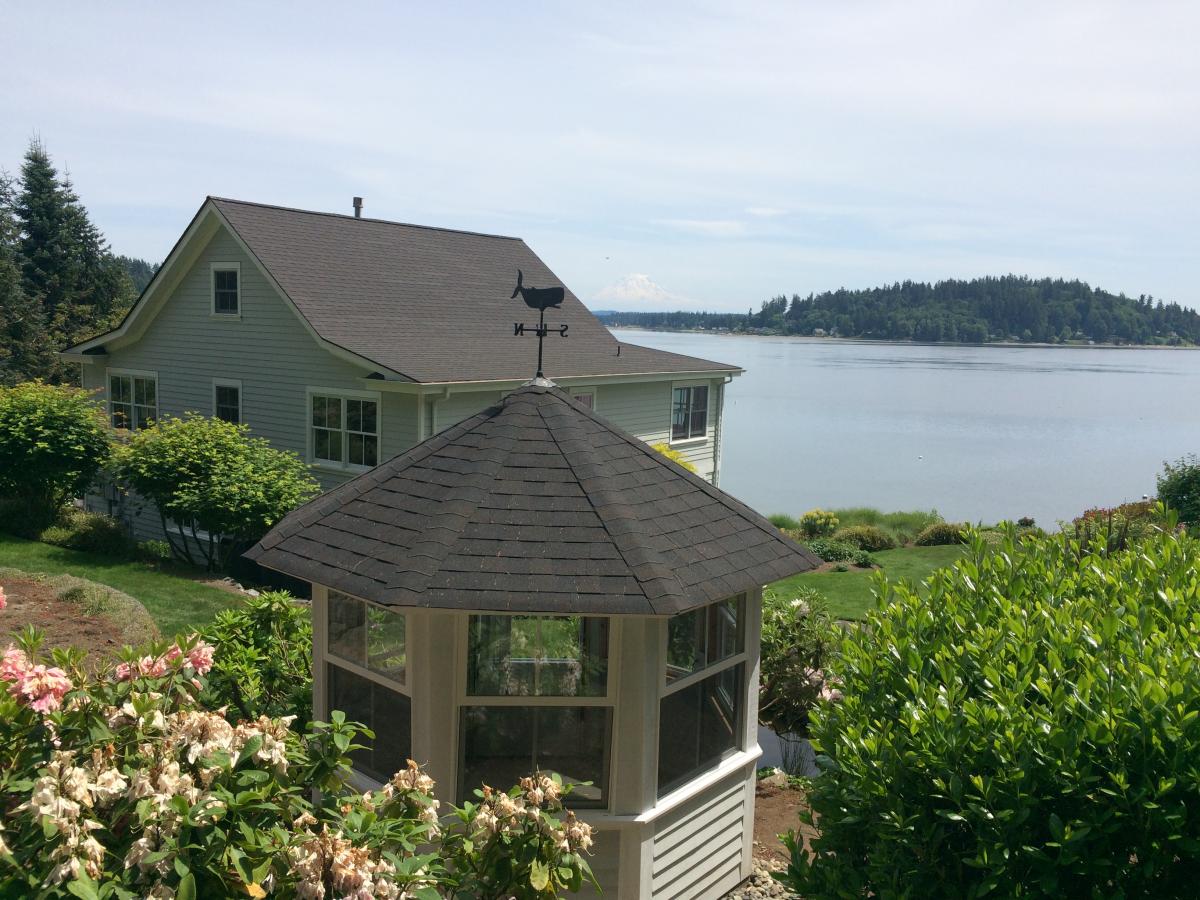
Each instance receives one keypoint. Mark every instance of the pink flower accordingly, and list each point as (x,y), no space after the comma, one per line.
(42,688)
(14,664)
(123,672)
(200,658)
(3,599)
(173,654)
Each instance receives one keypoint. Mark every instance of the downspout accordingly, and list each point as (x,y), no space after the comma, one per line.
(720,435)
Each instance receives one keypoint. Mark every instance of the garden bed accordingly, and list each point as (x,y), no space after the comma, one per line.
(64,623)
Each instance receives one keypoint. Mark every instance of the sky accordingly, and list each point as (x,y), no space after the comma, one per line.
(656,155)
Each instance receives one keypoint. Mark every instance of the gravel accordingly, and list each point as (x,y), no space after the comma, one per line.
(760,885)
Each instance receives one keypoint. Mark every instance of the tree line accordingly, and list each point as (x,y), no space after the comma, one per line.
(979,310)
(60,283)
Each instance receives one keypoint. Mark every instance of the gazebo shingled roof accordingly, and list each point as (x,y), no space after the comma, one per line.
(534,505)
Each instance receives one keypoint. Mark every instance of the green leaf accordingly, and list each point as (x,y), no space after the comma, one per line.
(187,888)
(539,875)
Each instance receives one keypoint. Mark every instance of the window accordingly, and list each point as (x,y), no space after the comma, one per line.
(587,398)
(537,698)
(703,700)
(132,400)
(689,413)
(345,430)
(227,401)
(366,674)
(225,293)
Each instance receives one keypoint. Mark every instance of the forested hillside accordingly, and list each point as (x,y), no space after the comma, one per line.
(139,271)
(59,282)
(983,309)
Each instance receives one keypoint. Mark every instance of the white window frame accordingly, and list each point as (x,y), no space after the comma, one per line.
(692,439)
(343,395)
(214,268)
(609,700)
(228,383)
(326,658)
(131,374)
(667,688)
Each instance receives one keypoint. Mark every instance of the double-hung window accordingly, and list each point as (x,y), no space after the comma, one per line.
(704,691)
(689,412)
(226,289)
(132,399)
(227,400)
(538,697)
(366,677)
(345,429)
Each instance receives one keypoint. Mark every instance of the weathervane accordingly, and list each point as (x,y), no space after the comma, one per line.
(540,299)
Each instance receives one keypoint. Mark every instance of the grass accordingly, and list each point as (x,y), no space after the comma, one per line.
(849,593)
(904,525)
(176,602)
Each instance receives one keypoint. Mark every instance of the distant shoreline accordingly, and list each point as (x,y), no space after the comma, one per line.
(808,338)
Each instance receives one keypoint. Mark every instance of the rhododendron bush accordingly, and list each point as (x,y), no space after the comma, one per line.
(117,783)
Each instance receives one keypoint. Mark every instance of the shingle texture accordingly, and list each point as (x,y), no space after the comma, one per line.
(533,505)
(431,304)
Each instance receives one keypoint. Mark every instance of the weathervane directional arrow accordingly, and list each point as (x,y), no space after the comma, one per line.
(540,299)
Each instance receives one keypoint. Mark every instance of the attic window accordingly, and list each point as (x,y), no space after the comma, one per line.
(226,300)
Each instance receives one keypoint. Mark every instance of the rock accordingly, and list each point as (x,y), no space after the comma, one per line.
(777,778)
(251,593)
(760,885)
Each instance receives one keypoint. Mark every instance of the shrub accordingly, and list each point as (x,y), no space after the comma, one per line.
(673,455)
(1179,489)
(1027,728)
(798,639)
(91,532)
(153,551)
(265,665)
(53,441)
(1119,525)
(120,784)
(784,522)
(1026,522)
(818,523)
(941,533)
(836,551)
(903,525)
(217,489)
(865,537)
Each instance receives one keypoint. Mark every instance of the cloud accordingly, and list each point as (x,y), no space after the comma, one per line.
(765,212)
(706,227)
(638,291)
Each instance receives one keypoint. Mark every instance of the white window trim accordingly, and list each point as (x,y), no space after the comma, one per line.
(214,268)
(671,439)
(130,373)
(227,382)
(462,698)
(342,393)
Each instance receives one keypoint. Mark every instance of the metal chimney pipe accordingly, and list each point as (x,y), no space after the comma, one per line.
(358,207)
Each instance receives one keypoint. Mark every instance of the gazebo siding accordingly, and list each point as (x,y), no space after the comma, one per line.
(269,351)
(695,843)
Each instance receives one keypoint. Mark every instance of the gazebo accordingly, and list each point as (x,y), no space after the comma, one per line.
(534,588)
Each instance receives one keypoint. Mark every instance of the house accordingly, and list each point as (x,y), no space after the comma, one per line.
(533,588)
(349,340)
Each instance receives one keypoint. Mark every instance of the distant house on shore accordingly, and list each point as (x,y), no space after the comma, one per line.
(349,340)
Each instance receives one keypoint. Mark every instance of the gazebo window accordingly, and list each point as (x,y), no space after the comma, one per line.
(703,698)
(366,668)
(537,697)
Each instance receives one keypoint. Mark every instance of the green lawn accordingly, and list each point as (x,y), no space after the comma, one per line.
(175,601)
(849,593)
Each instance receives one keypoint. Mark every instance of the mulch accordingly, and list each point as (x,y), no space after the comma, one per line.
(62,624)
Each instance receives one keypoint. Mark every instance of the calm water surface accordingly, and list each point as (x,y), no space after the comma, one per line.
(979,433)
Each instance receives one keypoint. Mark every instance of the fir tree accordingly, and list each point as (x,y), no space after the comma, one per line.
(24,344)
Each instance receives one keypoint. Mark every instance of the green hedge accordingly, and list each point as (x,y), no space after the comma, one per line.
(1029,727)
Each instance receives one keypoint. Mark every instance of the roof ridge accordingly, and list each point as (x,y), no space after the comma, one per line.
(333,215)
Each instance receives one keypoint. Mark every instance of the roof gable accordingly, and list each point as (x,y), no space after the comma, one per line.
(533,505)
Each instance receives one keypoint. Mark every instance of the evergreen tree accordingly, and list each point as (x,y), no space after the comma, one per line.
(24,345)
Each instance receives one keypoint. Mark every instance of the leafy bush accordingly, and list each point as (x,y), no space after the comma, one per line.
(818,523)
(784,522)
(1027,728)
(1026,522)
(673,455)
(865,537)
(53,441)
(265,665)
(1179,489)
(1119,525)
(217,489)
(153,551)
(837,551)
(798,639)
(119,784)
(940,533)
(91,532)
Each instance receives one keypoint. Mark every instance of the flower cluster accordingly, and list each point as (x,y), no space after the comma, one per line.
(196,660)
(523,810)
(327,864)
(39,687)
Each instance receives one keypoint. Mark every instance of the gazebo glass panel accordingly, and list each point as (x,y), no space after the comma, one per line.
(699,725)
(537,656)
(386,712)
(368,636)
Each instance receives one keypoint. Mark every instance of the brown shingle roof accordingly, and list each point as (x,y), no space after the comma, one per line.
(430,303)
(533,505)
